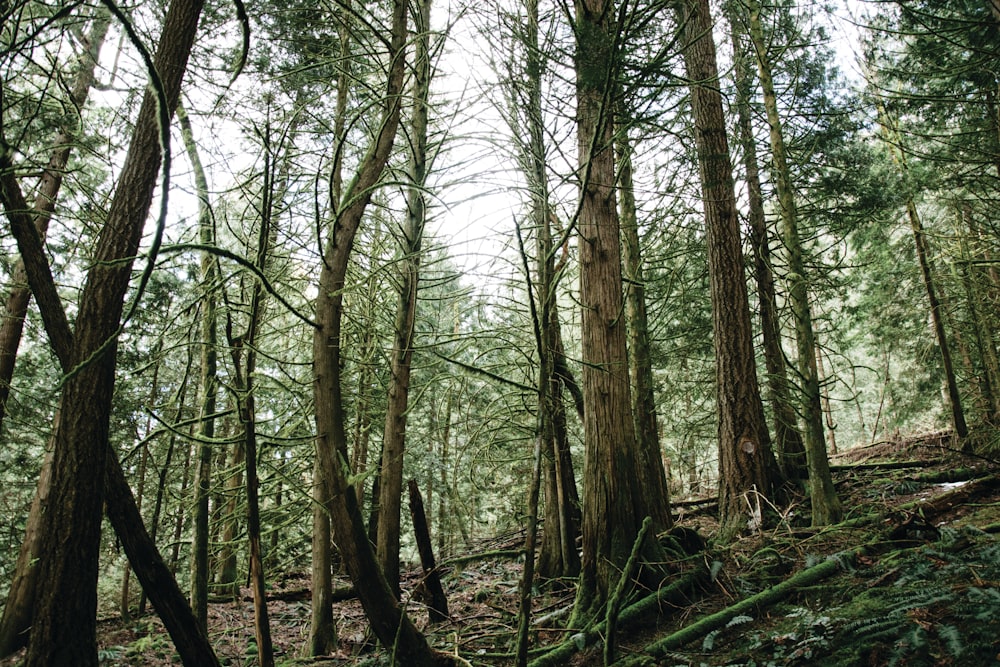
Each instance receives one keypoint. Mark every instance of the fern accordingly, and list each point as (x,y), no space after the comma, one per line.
(939,606)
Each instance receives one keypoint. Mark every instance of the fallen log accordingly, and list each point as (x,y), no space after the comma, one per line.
(675,594)
(721,618)
(885,465)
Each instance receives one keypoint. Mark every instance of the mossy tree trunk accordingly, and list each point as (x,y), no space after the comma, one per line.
(826,507)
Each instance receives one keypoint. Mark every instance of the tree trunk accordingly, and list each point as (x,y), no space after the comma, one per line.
(248,423)
(831,437)
(394,435)
(640,350)
(388,620)
(45,202)
(985,344)
(64,625)
(178,400)
(557,555)
(437,602)
(322,630)
(209,380)
(826,507)
(790,450)
(124,600)
(615,500)
(746,462)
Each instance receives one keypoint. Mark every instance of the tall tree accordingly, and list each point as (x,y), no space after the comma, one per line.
(322,631)
(388,620)
(746,461)
(823,498)
(523,82)
(64,627)
(209,381)
(394,434)
(788,440)
(615,500)
(640,345)
(893,140)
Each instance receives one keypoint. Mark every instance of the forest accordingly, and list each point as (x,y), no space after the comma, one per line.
(499,333)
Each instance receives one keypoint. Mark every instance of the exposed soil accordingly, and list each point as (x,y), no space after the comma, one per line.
(919,584)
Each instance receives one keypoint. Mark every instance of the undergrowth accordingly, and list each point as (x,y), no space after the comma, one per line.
(935,604)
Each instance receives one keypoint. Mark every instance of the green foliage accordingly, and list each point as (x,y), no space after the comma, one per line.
(941,605)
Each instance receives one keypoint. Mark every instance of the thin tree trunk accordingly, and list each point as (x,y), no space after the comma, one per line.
(746,461)
(528,573)
(557,556)
(831,438)
(826,507)
(322,630)
(141,484)
(394,434)
(177,400)
(437,602)
(244,396)
(891,136)
(209,381)
(388,620)
(640,348)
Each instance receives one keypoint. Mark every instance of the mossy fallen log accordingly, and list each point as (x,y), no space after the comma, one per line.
(884,465)
(721,618)
(950,475)
(675,594)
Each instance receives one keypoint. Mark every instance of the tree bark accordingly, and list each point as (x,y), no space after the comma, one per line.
(394,434)
(209,381)
(640,348)
(790,450)
(826,507)
(615,499)
(746,461)
(437,602)
(322,629)
(64,625)
(388,620)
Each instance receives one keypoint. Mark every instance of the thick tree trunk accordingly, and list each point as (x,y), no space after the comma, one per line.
(615,500)
(823,498)
(64,626)
(746,462)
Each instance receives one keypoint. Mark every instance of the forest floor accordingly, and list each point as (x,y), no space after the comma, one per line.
(912,577)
